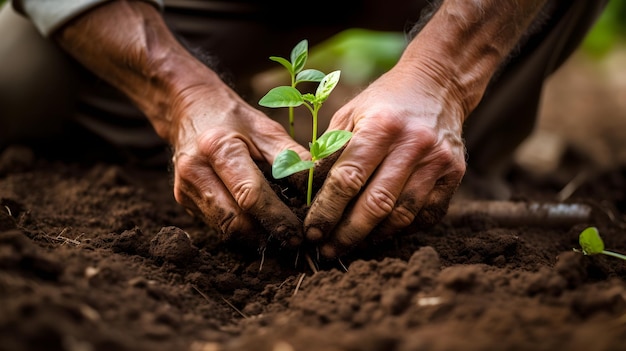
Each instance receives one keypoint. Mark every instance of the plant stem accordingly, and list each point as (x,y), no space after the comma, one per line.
(292,131)
(614,254)
(309,189)
(316,108)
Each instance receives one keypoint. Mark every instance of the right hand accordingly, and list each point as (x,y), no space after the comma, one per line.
(401,167)
(217,139)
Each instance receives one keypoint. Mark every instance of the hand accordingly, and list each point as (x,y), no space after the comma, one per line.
(216,136)
(402,165)
(217,139)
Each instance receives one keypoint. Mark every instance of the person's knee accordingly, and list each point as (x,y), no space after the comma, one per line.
(36,83)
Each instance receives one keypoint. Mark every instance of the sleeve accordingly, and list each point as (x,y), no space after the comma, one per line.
(49,15)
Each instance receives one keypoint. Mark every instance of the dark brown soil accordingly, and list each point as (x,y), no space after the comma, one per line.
(99,257)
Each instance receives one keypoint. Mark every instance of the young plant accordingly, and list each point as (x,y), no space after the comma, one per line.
(591,244)
(289,162)
(297,73)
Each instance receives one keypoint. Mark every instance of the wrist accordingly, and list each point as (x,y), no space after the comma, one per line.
(128,45)
(465,42)
(173,86)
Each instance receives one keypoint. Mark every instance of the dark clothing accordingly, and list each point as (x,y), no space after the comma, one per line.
(237,37)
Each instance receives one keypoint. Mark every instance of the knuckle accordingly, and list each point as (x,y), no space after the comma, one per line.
(445,157)
(229,223)
(215,137)
(185,165)
(425,137)
(458,170)
(379,203)
(247,194)
(346,180)
(401,217)
(389,123)
(219,145)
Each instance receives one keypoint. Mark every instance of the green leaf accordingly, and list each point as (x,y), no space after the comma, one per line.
(283,96)
(590,241)
(327,85)
(299,55)
(308,97)
(289,162)
(283,62)
(310,75)
(328,143)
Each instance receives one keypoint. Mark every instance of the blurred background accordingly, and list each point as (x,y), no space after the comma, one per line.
(582,120)
(583,112)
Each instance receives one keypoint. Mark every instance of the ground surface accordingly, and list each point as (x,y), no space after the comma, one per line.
(97,257)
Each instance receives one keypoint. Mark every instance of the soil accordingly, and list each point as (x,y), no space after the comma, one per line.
(98,256)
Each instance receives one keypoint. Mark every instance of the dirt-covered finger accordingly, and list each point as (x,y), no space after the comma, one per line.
(345,180)
(252,193)
(438,201)
(197,187)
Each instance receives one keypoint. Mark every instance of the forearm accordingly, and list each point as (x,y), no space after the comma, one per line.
(129,45)
(465,42)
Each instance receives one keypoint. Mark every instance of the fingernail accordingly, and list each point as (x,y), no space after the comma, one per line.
(314,234)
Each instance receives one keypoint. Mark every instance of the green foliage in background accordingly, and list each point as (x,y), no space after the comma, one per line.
(608,31)
(361,55)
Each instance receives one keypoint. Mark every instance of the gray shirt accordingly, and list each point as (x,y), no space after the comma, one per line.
(49,15)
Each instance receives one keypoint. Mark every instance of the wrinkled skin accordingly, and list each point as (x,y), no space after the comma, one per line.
(405,159)
(217,137)
(403,164)
(215,174)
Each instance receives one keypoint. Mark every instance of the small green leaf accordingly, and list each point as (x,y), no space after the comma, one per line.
(590,241)
(299,55)
(327,85)
(310,75)
(283,96)
(283,62)
(289,162)
(308,97)
(329,142)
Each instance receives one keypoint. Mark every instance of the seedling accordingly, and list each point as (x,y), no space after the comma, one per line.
(289,162)
(592,244)
(297,73)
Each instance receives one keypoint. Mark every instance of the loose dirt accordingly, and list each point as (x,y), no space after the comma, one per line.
(98,256)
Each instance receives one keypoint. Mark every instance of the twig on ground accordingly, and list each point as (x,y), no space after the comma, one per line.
(295,263)
(342,265)
(226,301)
(295,292)
(65,240)
(235,308)
(511,213)
(262,258)
(283,283)
(572,186)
